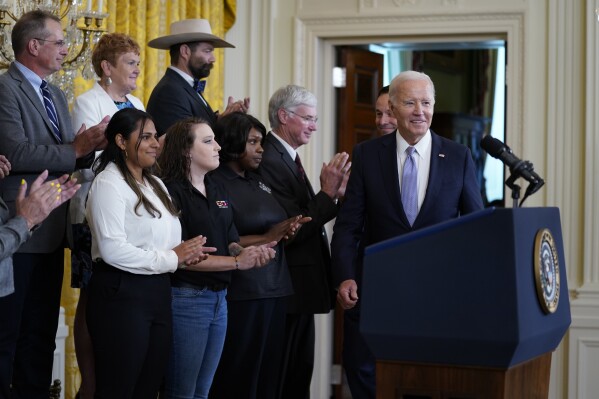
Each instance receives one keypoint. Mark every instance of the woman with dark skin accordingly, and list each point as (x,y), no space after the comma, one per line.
(257,298)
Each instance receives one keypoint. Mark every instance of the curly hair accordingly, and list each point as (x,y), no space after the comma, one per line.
(232,131)
(110,47)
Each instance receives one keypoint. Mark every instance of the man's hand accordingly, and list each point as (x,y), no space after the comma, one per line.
(333,174)
(347,294)
(43,197)
(4,167)
(92,139)
(236,106)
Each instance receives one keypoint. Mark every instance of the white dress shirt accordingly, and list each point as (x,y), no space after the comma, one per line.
(137,243)
(422,156)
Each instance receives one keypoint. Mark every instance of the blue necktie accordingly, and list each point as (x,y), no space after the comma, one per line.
(51,110)
(409,186)
(199,85)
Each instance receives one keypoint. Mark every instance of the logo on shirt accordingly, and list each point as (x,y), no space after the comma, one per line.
(222,204)
(264,187)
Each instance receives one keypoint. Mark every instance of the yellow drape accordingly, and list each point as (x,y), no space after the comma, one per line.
(144,20)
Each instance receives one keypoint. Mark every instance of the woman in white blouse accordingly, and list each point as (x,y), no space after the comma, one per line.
(136,244)
(115,60)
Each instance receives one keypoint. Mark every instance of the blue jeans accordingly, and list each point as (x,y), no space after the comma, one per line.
(199,329)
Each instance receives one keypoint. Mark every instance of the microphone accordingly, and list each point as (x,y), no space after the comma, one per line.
(518,167)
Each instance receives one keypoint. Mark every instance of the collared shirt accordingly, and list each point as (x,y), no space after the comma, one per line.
(189,79)
(255,210)
(34,80)
(292,152)
(130,240)
(210,216)
(422,155)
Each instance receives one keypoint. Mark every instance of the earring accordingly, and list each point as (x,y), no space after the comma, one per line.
(108,81)
(126,155)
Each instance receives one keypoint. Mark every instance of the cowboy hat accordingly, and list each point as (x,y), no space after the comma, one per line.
(186,31)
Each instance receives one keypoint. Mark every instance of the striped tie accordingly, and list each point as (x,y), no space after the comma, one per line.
(409,186)
(51,110)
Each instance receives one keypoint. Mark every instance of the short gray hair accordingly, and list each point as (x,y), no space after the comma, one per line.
(286,97)
(406,76)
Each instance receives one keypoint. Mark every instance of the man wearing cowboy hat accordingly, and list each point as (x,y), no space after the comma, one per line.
(178,95)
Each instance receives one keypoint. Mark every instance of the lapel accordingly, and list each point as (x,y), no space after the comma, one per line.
(31,94)
(194,94)
(290,163)
(389,173)
(435,176)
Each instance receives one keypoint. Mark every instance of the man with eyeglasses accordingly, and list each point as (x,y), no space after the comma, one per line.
(292,115)
(36,134)
(179,94)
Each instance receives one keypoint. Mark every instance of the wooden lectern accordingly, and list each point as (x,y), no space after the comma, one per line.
(467,309)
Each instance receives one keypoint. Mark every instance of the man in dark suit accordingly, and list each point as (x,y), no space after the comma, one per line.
(399,183)
(292,115)
(36,134)
(179,94)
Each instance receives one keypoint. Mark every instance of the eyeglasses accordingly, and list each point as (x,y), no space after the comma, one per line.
(57,43)
(307,119)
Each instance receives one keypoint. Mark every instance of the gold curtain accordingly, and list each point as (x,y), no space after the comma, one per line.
(144,20)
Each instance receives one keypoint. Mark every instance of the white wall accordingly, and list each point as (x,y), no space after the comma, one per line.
(553,96)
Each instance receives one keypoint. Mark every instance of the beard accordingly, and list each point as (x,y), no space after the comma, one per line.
(199,72)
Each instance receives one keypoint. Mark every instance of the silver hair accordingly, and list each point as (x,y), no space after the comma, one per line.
(288,97)
(404,77)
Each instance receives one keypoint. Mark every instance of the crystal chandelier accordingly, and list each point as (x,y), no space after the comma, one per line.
(82,27)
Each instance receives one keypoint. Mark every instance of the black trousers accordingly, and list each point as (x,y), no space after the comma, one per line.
(250,364)
(358,361)
(298,360)
(28,323)
(130,323)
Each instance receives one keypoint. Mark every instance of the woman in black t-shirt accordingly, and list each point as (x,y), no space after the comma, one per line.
(257,298)
(198,298)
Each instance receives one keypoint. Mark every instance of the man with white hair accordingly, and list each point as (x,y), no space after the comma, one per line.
(400,182)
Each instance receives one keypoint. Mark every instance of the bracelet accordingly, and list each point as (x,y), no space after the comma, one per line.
(236,263)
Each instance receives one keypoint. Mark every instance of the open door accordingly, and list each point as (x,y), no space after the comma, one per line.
(355,123)
(355,101)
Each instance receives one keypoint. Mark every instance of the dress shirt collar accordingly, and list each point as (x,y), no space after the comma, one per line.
(188,78)
(290,150)
(421,147)
(33,78)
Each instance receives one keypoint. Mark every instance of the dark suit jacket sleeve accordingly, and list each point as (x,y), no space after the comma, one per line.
(471,199)
(349,224)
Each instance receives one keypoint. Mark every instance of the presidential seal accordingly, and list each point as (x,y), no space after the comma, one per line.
(546,264)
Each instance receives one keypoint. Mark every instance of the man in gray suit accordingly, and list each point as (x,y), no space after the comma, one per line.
(35,135)
(31,210)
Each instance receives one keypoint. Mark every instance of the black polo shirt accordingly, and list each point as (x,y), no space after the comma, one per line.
(255,210)
(211,217)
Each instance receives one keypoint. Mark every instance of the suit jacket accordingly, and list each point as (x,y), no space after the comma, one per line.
(13,233)
(372,210)
(307,254)
(93,105)
(173,99)
(89,109)
(26,139)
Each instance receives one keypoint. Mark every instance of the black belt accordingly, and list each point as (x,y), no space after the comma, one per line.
(211,287)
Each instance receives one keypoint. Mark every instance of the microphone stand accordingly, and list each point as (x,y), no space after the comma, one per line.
(511,183)
(516,172)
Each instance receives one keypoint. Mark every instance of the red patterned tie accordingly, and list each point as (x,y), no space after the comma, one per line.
(300,168)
